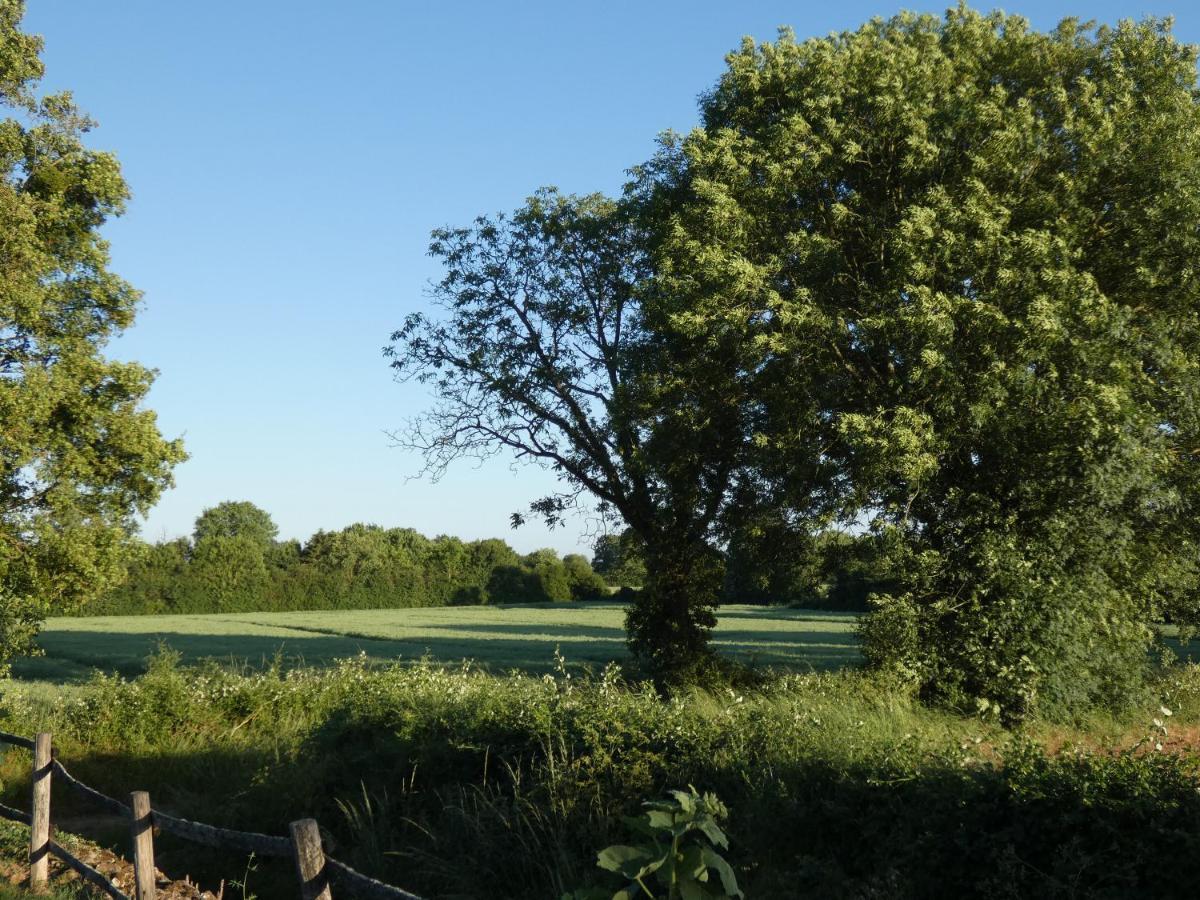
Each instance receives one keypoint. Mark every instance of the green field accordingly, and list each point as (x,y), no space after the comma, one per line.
(500,638)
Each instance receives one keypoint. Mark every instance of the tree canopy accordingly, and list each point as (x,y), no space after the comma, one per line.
(79,456)
(976,242)
(236,519)
(937,276)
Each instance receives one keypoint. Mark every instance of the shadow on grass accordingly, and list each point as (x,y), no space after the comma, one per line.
(72,655)
(57,669)
(126,652)
(787,614)
(535,630)
(785,639)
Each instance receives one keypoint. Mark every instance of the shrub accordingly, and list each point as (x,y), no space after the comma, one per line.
(585,584)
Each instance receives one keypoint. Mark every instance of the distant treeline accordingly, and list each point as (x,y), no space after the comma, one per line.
(234,563)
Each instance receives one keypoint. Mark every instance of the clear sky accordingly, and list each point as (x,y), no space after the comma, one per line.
(288,159)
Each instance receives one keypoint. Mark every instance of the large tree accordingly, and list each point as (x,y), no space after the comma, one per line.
(78,455)
(981,240)
(547,350)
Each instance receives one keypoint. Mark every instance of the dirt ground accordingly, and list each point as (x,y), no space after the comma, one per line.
(109,864)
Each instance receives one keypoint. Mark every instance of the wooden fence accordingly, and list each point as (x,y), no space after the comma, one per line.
(317,873)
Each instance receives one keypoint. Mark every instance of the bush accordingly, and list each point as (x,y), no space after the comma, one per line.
(585,583)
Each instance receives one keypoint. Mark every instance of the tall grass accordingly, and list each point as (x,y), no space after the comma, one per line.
(455,783)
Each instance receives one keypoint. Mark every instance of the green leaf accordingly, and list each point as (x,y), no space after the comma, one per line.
(724,871)
(692,864)
(639,825)
(660,818)
(626,860)
(662,805)
(687,800)
(713,832)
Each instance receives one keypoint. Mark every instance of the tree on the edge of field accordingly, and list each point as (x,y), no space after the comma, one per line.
(236,519)
(617,557)
(78,456)
(986,240)
(547,350)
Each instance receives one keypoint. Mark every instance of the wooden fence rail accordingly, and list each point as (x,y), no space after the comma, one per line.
(315,871)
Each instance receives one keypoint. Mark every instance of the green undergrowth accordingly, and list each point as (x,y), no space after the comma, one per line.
(75,891)
(455,783)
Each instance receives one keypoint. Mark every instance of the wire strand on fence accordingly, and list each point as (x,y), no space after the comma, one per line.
(17,815)
(7,738)
(365,886)
(201,833)
(198,832)
(112,805)
(87,873)
(212,836)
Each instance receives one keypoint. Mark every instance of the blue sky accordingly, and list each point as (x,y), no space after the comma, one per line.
(288,160)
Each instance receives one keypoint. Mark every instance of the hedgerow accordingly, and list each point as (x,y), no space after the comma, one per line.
(837,784)
(359,567)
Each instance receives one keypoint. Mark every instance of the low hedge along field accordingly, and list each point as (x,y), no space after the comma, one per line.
(454,782)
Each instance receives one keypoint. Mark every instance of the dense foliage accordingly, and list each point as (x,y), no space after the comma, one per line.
(233,564)
(970,247)
(836,785)
(831,569)
(236,519)
(79,457)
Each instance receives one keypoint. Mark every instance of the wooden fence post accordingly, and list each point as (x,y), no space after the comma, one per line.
(310,860)
(39,832)
(142,830)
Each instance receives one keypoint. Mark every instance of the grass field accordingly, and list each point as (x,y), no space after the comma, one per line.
(500,638)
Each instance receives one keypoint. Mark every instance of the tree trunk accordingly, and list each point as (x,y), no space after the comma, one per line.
(670,622)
